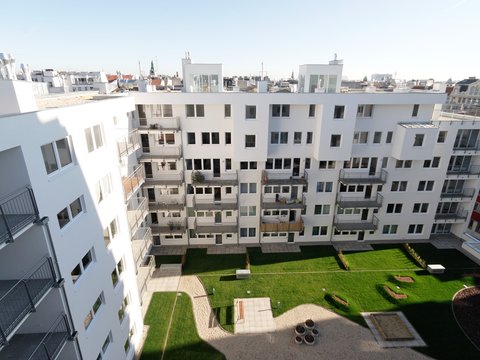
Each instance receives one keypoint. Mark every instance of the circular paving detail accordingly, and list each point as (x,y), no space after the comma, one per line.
(466,307)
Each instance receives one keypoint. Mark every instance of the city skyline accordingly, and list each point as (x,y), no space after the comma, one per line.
(409,40)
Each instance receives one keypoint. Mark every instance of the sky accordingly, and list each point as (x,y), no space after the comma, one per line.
(412,39)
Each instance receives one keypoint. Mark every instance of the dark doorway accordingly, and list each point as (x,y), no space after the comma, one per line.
(368,191)
(291,237)
(217,193)
(364,214)
(216,167)
(296,167)
(373,166)
(218,239)
(361,235)
(292,216)
(145,143)
(218,217)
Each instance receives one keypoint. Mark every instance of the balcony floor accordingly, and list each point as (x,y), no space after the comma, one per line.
(21,346)
(360,203)
(16,223)
(345,226)
(361,180)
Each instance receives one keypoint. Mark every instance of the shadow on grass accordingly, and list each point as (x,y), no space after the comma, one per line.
(199,262)
(228,278)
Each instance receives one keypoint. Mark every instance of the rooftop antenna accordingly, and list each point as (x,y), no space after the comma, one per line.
(335,57)
(140,68)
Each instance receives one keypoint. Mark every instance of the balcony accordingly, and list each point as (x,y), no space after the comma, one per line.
(347,224)
(467,193)
(467,149)
(346,201)
(140,243)
(144,274)
(459,214)
(210,227)
(168,202)
(211,204)
(279,202)
(363,177)
(204,178)
(132,182)
(169,225)
(461,170)
(128,144)
(158,123)
(20,297)
(17,212)
(277,225)
(283,178)
(39,346)
(161,152)
(167,177)
(137,211)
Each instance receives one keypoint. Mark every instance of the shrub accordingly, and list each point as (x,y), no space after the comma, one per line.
(338,302)
(411,251)
(344,261)
(247,262)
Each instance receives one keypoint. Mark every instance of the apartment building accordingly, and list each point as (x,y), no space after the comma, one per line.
(73,251)
(317,166)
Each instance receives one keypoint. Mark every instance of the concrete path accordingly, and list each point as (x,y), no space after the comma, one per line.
(226,249)
(280,248)
(339,337)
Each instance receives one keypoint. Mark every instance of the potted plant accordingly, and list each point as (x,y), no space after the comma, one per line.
(171,225)
(197,177)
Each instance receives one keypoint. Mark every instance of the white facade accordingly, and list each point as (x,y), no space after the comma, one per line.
(69,158)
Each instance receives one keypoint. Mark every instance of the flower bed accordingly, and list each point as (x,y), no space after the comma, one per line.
(338,302)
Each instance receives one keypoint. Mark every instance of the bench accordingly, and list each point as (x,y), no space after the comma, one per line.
(241,311)
(435,269)
(242,273)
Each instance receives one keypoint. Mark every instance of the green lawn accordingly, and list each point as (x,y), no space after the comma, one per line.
(183,341)
(199,263)
(384,257)
(451,259)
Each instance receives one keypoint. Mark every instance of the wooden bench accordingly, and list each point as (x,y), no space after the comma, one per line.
(242,273)
(241,311)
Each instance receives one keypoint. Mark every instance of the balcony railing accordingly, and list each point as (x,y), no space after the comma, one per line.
(280,202)
(168,202)
(128,144)
(212,227)
(162,152)
(348,224)
(27,346)
(158,123)
(459,214)
(140,243)
(475,147)
(21,297)
(211,204)
(166,177)
(132,182)
(273,225)
(145,272)
(208,178)
(137,211)
(363,177)
(283,178)
(346,201)
(170,225)
(17,211)
(458,194)
(460,170)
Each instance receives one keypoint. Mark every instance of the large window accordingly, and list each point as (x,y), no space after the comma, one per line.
(249,141)
(82,266)
(56,155)
(250,112)
(94,137)
(70,212)
(197,110)
(339,112)
(280,110)
(335,140)
(93,311)
(364,110)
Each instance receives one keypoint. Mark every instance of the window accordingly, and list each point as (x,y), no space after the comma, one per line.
(195,110)
(407,164)
(274,137)
(228,164)
(418,141)
(326,164)
(105,345)
(297,137)
(364,110)
(280,110)
(248,165)
(127,344)
(311,110)
(319,230)
(110,232)
(324,186)
(415,228)
(360,137)
(284,137)
(80,268)
(307,163)
(248,188)
(377,137)
(415,110)
(394,208)
(117,271)
(249,141)
(384,162)
(250,112)
(228,138)
(322,209)
(215,138)
(335,140)
(248,210)
(94,137)
(56,155)
(420,208)
(93,311)
(248,232)
(205,138)
(70,212)
(228,110)
(442,135)
(389,137)
(103,188)
(425,185)
(435,163)
(389,229)
(123,308)
(399,186)
(252,187)
(191,138)
(309,137)
(338,112)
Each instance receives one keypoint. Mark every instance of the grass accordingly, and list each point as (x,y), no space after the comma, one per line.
(199,263)
(183,341)
(384,257)
(450,258)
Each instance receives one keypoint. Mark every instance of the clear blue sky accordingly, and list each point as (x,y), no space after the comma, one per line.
(412,38)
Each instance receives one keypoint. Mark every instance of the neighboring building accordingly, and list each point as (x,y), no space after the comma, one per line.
(465,97)
(73,250)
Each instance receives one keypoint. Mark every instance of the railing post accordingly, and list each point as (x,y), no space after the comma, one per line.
(3,337)
(34,203)
(10,236)
(30,299)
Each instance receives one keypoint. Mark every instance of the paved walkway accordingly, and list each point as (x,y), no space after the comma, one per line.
(352,246)
(226,249)
(257,316)
(280,248)
(169,250)
(339,337)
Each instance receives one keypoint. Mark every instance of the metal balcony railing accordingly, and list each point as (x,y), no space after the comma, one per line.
(158,123)
(137,211)
(346,201)
(17,211)
(167,202)
(212,227)
(208,178)
(475,147)
(145,272)
(280,202)
(458,193)
(49,346)
(133,181)
(167,177)
(459,214)
(22,296)
(363,177)
(211,204)
(272,225)
(170,225)
(283,178)
(348,224)
(162,152)
(128,143)
(140,243)
(463,170)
